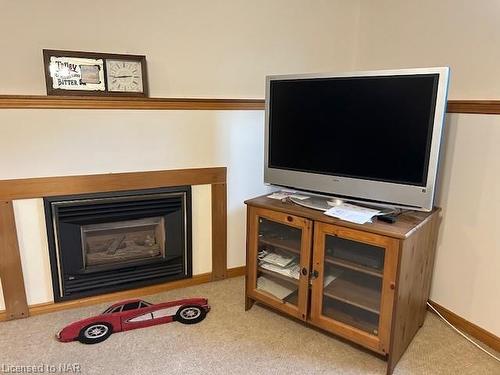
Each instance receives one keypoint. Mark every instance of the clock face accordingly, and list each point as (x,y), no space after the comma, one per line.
(124,76)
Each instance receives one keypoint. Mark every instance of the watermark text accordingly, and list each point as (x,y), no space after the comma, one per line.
(42,368)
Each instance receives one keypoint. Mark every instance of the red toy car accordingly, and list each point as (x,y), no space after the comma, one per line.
(131,314)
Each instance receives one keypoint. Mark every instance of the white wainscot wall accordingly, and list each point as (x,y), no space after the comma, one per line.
(37,143)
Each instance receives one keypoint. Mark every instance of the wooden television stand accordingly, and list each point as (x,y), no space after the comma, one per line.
(366,283)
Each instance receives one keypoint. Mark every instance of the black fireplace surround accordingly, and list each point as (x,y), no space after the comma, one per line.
(105,242)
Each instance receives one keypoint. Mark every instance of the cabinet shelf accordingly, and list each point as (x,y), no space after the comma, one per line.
(354,266)
(284,244)
(293,298)
(278,276)
(349,319)
(354,293)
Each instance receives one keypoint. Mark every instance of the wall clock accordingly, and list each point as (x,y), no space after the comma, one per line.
(92,73)
(124,76)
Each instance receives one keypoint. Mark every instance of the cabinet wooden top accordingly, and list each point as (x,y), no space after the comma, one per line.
(405,224)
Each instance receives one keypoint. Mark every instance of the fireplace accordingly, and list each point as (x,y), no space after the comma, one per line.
(105,242)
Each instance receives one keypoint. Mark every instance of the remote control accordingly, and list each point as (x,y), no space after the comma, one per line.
(391,219)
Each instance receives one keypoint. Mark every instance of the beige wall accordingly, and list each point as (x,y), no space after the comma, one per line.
(461,34)
(194,48)
(464,35)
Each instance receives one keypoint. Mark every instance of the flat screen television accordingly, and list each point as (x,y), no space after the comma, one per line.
(373,136)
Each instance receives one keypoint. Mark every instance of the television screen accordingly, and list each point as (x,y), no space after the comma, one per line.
(371,128)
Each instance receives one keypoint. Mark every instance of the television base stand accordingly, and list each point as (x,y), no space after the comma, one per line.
(324,202)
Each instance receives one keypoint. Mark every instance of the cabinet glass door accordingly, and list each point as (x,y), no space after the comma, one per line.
(352,287)
(279,253)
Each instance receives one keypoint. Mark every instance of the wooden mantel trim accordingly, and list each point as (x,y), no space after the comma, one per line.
(89,102)
(219,231)
(97,183)
(11,272)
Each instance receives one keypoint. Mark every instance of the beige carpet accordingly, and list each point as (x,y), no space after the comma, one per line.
(230,341)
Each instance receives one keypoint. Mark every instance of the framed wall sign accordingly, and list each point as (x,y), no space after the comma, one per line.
(91,73)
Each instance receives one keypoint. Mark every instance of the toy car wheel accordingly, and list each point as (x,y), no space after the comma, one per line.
(95,333)
(190,314)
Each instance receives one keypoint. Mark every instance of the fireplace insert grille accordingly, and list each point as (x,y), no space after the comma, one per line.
(106,242)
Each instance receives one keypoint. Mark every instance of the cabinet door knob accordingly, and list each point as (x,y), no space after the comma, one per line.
(314,275)
(304,271)
(289,218)
(392,285)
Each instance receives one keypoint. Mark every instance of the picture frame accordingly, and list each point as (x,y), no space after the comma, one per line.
(95,74)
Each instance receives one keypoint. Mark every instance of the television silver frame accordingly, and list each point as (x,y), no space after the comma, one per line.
(398,195)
